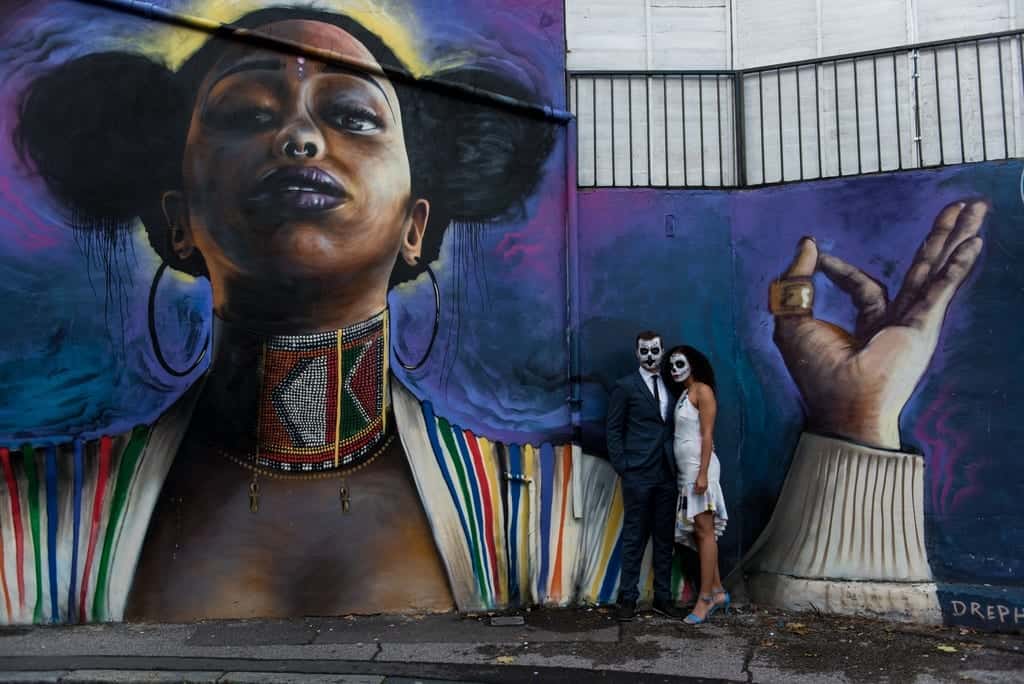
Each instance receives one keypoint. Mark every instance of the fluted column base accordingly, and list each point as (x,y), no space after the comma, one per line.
(899,601)
(847,535)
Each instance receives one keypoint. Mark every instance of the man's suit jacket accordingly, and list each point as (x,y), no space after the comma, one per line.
(639,441)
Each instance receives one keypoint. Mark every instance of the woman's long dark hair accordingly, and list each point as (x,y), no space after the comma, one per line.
(106,132)
(700,369)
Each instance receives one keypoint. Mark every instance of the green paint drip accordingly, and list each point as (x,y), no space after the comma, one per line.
(33,515)
(677,577)
(449,441)
(124,476)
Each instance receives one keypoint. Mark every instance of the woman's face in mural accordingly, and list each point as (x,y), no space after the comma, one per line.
(295,170)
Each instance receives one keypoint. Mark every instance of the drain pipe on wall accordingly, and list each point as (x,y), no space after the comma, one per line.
(148,10)
(572,313)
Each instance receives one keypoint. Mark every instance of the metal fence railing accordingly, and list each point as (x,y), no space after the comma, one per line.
(924,105)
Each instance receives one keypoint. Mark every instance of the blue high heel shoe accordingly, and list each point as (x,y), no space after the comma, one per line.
(693,619)
(724,605)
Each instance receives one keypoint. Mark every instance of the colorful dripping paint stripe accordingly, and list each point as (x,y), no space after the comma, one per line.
(16,521)
(611,551)
(555,480)
(479,542)
(102,474)
(565,457)
(431,424)
(32,480)
(487,497)
(51,528)
(496,541)
(547,489)
(5,456)
(78,449)
(515,475)
(118,503)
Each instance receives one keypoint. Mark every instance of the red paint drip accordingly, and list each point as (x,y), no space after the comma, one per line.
(19,537)
(97,513)
(485,495)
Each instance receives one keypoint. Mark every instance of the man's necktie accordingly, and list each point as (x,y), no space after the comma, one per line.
(657,395)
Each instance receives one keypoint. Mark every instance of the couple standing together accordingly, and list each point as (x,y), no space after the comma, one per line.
(660,441)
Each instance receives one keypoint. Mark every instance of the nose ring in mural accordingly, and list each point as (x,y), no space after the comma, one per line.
(154,338)
(433,332)
(293,151)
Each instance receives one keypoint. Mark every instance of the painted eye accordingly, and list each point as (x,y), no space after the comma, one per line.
(241,119)
(355,119)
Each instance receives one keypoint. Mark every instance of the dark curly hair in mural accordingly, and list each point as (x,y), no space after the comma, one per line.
(107,132)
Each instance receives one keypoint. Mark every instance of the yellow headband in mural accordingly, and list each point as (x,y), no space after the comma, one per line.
(394,25)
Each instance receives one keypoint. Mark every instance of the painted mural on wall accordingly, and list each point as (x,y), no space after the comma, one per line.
(867,429)
(233,387)
(214,409)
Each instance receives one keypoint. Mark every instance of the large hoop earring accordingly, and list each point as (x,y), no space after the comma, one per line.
(153,339)
(433,333)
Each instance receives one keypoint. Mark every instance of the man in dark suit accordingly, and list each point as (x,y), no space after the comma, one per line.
(639,428)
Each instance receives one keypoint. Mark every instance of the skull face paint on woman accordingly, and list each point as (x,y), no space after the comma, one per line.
(649,352)
(679,367)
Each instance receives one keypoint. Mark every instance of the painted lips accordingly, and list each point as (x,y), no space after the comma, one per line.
(297,190)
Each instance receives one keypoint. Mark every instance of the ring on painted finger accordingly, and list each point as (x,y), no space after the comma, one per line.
(791,297)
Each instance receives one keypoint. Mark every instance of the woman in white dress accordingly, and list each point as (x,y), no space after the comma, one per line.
(700,515)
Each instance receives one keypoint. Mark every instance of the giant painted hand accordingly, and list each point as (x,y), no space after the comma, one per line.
(854,385)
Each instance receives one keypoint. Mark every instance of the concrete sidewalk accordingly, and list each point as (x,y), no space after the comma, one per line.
(552,646)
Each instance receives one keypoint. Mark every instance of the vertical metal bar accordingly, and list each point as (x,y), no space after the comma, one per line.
(1020,54)
(782,156)
(938,104)
(839,146)
(576,110)
(959,103)
(799,123)
(981,101)
(760,114)
(593,111)
(1020,60)
(856,114)
(682,104)
(899,122)
(817,119)
(611,99)
(916,57)
(739,129)
(718,107)
(647,111)
(700,105)
(664,102)
(629,106)
(1002,100)
(878,126)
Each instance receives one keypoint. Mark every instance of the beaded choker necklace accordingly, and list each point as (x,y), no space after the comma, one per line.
(323,399)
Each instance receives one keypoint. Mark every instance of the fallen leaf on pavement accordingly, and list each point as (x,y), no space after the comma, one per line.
(505,660)
(797,628)
(946,649)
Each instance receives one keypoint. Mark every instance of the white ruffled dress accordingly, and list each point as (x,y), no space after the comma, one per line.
(686,446)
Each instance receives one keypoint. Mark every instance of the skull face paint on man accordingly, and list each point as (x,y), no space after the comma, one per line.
(679,367)
(649,352)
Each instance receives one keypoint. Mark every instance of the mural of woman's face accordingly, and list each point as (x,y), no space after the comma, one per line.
(296,171)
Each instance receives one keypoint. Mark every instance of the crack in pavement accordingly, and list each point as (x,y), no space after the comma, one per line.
(748,657)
